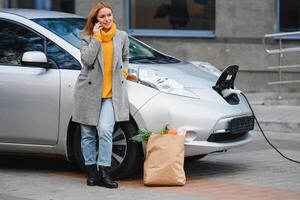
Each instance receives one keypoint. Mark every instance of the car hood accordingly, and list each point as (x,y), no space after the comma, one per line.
(185,73)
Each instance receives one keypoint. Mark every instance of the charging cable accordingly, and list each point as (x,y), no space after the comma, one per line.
(292,160)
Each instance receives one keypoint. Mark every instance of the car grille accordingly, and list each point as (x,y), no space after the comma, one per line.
(238,127)
(241,124)
(221,137)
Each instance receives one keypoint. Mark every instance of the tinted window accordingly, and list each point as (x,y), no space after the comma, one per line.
(60,57)
(15,40)
(289,15)
(184,18)
(67,28)
(172,14)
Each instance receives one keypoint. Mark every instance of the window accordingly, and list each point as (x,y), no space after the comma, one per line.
(288,15)
(15,40)
(57,5)
(66,28)
(59,57)
(194,18)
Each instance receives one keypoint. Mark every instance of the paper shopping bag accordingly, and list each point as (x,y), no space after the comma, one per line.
(164,160)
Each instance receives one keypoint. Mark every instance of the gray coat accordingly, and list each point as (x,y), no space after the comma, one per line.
(88,88)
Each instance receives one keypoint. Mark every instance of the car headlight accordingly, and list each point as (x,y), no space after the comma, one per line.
(157,80)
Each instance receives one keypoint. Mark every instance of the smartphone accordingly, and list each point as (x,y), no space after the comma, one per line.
(95,21)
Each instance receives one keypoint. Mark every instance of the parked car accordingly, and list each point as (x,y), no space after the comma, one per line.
(40,62)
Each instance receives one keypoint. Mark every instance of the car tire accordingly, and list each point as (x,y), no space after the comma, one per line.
(127,158)
(194,158)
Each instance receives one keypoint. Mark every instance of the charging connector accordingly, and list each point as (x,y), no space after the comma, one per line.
(228,92)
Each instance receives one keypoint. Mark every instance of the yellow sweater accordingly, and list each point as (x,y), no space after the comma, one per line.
(106,40)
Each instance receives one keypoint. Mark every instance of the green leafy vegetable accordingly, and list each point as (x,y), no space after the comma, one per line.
(143,135)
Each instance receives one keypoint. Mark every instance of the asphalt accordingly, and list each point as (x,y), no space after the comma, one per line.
(275,113)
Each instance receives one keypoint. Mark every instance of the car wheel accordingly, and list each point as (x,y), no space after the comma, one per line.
(194,158)
(127,156)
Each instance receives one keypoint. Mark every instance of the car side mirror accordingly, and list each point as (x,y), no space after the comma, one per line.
(34,59)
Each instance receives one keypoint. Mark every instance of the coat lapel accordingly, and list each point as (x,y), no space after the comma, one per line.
(116,50)
(99,58)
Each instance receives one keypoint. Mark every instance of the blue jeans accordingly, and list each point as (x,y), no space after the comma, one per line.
(105,128)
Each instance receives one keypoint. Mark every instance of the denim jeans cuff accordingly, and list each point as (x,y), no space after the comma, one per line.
(89,163)
(104,164)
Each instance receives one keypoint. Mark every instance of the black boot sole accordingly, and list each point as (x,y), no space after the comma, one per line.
(108,186)
(89,183)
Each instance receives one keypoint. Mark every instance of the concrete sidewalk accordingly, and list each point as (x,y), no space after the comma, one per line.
(277,115)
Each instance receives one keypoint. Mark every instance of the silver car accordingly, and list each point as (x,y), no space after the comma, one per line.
(40,62)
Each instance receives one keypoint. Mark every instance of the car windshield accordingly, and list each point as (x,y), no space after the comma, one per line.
(69,29)
(140,53)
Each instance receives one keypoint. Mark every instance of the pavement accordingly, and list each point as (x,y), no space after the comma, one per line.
(273,114)
(251,172)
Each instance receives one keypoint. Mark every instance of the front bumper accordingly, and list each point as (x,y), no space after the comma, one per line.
(194,148)
(200,117)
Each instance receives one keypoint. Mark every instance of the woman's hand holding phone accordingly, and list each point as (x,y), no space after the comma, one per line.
(97,28)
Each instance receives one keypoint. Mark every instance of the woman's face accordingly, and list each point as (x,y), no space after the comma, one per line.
(105,18)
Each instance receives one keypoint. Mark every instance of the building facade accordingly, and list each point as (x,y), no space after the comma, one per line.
(221,32)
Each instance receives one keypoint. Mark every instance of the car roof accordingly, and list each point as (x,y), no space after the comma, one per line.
(34,14)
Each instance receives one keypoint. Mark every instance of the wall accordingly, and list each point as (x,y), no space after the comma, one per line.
(83,7)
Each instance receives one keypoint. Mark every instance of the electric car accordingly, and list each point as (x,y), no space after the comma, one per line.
(39,65)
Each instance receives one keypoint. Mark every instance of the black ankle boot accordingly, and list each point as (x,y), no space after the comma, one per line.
(92,179)
(105,179)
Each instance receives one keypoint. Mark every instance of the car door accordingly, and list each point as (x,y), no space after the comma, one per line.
(29,96)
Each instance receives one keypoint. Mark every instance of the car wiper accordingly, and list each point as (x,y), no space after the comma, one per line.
(166,58)
(142,58)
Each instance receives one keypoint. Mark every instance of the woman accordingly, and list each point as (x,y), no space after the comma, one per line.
(100,92)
